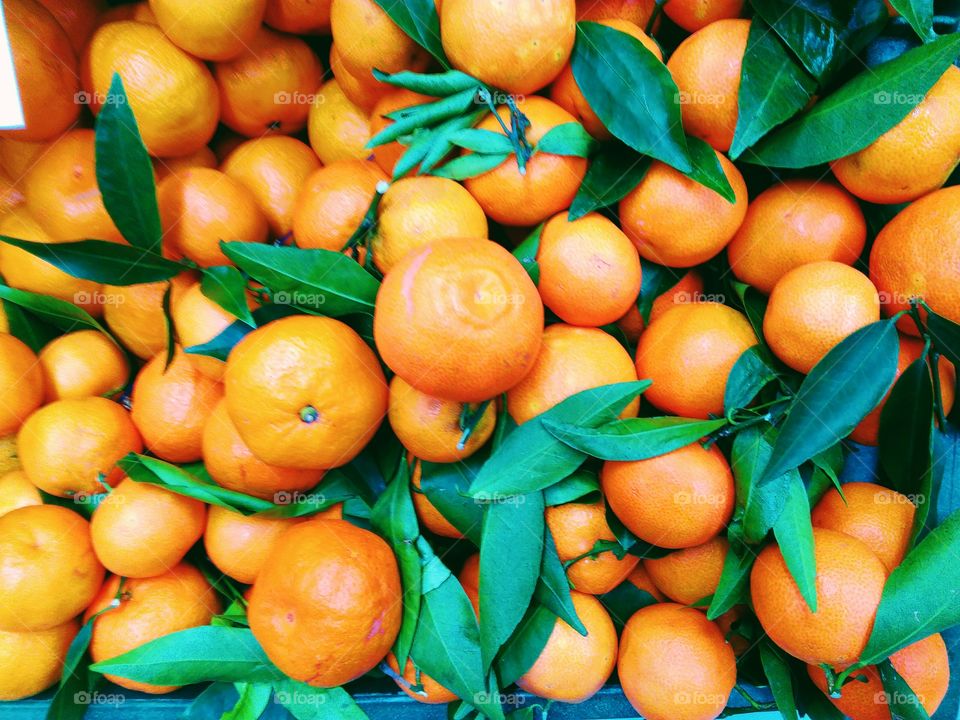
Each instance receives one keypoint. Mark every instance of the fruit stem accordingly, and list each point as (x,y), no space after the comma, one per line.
(517,132)
(937,389)
(309,414)
(361,235)
(755,704)
(654,16)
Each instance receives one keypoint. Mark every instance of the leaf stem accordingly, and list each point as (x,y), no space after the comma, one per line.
(934,361)
(469,420)
(654,16)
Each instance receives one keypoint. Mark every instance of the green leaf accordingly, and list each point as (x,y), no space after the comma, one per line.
(531,459)
(76,680)
(946,472)
(526,253)
(423,116)
(253,701)
(906,430)
(777,669)
(921,596)
(919,13)
(306,702)
(572,488)
(102,261)
(418,19)
(200,654)
(568,139)
(754,306)
(904,704)
(614,171)
(441,84)
(470,165)
(27,326)
(324,281)
(773,88)
(633,438)
(522,650)
(945,335)
(482,141)
(445,486)
(512,538)
(838,393)
(227,288)
(656,280)
(873,102)
(220,346)
(794,533)
(631,92)
(707,169)
(125,173)
(553,587)
(213,702)
(752,372)
(623,601)
(758,506)
(734,584)
(59,313)
(171,331)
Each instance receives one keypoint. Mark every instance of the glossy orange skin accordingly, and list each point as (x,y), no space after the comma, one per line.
(428,514)
(369,39)
(240,544)
(573,667)
(457,299)
(16,491)
(301,364)
(30,662)
(84,363)
(689,575)
(386,156)
(134,313)
(300,17)
(675,221)
(923,665)
(67,445)
(210,31)
(78,18)
(197,320)
(233,465)
(360,86)
(141,530)
(850,579)
(641,578)
(576,528)
(338,128)
(635,11)
(571,359)
(326,606)
(677,500)
(50,572)
(692,15)
(431,692)
(46,70)
(706,67)
(695,684)
(688,352)
(813,308)
(202,158)
(793,223)
(689,288)
(170,406)
(21,383)
(149,608)
(469,578)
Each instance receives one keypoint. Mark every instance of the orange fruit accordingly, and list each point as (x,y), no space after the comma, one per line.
(16,491)
(697,681)
(9,461)
(70,447)
(567,94)
(46,71)
(688,289)
(907,257)
(83,364)
(678,500)
(386,156)
(30,662)
(706,68)
(148,608)
(218,31)
(913,157)
(21,383)
(338,129)
(239,544)
(268,87)
(519,48)
(11,196)
(430,427)
(232,464)
(300,17)
(576,528)
(728,623)
(881,518)
(638,12)
(867,431)
(589,270)
(642,580)
(24,271)
(172,94)
(273,169)
(573,667)
(18,156)
(550,182)
(332,203)
(689,575)
(284,391)
(198,320)
(201,207)
(62,193)
(326,607)
(202,158)
(427,512)
(794,223)
(469,579)
(50,572)
(676,221)
(692,15)
(688,352)
(367,38)
(141,530)
(416,211)
(814,307)
(571,359)
(360,87)
(134,313)
(850,579)
(78,18)
(923,665)
(418,685)
(456,299)
(170,406)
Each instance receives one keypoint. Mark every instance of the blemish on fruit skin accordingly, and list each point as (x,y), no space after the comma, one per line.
(376,628)
(289,617)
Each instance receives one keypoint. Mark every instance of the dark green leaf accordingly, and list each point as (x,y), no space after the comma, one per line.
(223,343)
(633,438)
(572,488)
(906,429)
(213,702)
(418,19)
(946,336)
(946,472)
(553,588)
(442,84)
(754,306)
(623,601)
(707,169)
(758,507)
(656,280)
(252,702)
(446,484)
(61,314)
(904,704)
(487,142)
(567,139)
(28,327)
(752,372)
(873,102)
(838,393)
(125,173)
(522,650)
(919,13)
(76,680)
(733,587)
(470,165)
(226,287)
(422,116)
(777,669)
(631,92)
(306,702)
(614,171)
(526,253)
(794,533)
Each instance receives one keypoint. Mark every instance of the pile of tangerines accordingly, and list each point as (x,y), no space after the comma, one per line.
(345,339)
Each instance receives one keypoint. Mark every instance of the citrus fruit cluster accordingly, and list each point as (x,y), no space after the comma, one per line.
(501,350)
